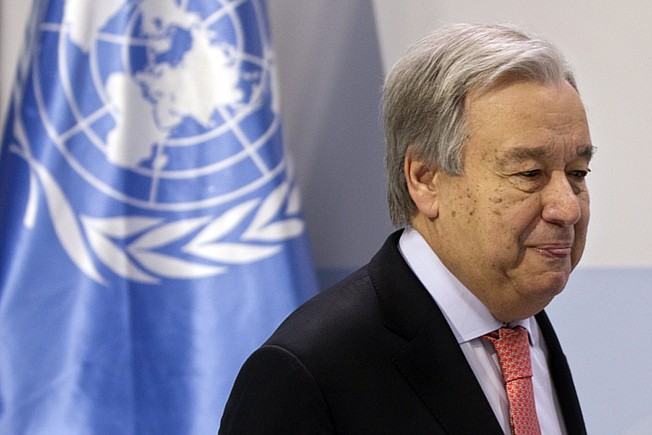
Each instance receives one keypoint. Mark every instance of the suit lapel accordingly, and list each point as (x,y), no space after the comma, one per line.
(432,361)
(562,379)
(437,370)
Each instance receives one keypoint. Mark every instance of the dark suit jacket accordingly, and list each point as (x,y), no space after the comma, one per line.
(373,355)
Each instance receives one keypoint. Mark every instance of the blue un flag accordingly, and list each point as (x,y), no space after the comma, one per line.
(150,228)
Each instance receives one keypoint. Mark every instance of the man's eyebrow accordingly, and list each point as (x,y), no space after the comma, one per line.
(519,154)
(586,152)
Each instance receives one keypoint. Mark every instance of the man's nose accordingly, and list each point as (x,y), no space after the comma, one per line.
(560,200)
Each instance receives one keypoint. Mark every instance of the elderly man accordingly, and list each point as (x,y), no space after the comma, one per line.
(444,330)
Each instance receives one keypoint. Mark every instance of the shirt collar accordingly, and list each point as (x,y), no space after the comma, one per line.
(467,316)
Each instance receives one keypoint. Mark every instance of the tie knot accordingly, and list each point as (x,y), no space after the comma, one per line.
(513,350)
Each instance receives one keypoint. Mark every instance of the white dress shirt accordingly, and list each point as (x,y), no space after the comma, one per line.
(469,320)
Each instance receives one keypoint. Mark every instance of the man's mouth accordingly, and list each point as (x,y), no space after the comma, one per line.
(555,251)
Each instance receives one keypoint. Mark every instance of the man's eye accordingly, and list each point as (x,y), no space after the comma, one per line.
(530,174)
(579,174)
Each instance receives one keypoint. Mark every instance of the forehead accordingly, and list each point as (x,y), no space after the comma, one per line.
(528,120)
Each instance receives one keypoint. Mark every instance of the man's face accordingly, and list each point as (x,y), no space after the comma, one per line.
(513,226)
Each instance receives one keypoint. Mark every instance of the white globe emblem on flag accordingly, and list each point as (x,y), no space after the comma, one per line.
(170,110)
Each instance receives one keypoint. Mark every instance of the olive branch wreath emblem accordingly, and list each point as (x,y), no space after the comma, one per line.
(85,237)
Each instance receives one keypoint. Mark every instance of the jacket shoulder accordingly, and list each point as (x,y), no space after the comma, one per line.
(347,311)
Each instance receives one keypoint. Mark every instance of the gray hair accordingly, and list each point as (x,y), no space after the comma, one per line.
(425,93)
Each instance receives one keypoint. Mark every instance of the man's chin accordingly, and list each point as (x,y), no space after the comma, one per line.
(547,285)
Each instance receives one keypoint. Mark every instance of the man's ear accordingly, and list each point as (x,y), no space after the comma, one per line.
(421,183)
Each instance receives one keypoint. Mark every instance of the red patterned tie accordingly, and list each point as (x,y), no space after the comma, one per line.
(513,349)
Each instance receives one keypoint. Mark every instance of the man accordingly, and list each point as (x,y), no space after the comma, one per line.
(487,152)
